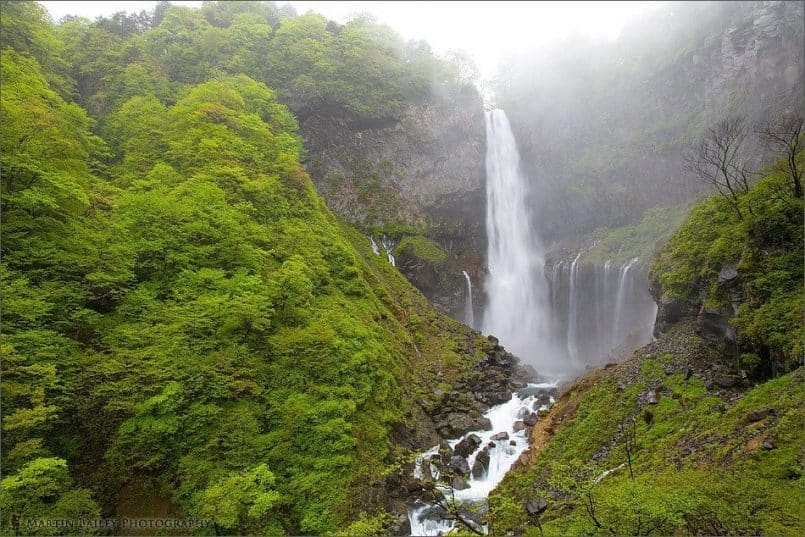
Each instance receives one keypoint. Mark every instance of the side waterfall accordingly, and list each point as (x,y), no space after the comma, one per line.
(469,311)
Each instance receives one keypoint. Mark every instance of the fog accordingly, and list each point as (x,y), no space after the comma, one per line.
(486,30)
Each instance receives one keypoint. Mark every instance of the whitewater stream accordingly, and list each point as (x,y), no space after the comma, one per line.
(429,519)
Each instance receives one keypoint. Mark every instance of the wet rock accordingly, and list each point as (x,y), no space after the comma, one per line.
(457,424)
(530,420)
(519,425)
(535,507)
(481,465)
(459,482)
(467,445)
(522,413)
(512,442)
(500,436)
(459,465)
(490,445)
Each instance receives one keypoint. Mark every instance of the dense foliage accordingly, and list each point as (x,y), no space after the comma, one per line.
(181,313)
(766,248)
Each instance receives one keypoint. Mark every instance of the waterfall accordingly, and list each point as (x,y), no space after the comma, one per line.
(609,338)
(620,300)
(517,291)
(375,249)
(469,313)
(388,245)
(572,317)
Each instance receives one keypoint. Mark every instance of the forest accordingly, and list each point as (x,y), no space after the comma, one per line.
(268,273)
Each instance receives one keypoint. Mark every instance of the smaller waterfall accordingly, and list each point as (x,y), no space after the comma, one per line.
(469,311)
(388,245)
(375,249)
(572,315)
(621,299)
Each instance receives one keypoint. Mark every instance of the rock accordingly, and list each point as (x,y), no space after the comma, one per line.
(768,446)
(490,445)
(467,445)
(535,507)
(522,413)
(523,458)
(728,273)
(653,396)
(512,442)
(620,387)
(725,381)
(459,482)
(757,415)
(519,425)
(412,484)
(713,324)
(460,465)
(530,420)
(457,424)
(500,436)
(481,464)
(670,310)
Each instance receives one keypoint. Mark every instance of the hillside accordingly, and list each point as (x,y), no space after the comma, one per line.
(187,329)
(700,431)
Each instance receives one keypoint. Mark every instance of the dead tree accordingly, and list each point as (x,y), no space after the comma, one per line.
(783,135)
(718,160)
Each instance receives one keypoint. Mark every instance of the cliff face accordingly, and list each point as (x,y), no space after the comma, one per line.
(421,172)
(603,129)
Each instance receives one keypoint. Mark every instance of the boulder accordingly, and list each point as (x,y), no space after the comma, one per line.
(530,420)
(535,507)
(459,465)
(459,482)
(519,425)
(725,381)
(728,274)
(500,436)
(713,324)
(467,445)
(456,424)
(481,464)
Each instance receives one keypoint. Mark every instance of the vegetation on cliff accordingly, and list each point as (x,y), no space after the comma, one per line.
(753,264)
(182,315)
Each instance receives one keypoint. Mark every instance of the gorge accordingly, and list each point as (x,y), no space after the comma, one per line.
(268,272)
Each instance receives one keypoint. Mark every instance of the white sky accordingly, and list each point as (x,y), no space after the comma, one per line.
(484,29)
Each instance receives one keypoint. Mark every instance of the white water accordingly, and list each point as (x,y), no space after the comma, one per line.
(517,310)
(469,313)
(621,297)
(572,316)
(388,245)
(424,518)
(375,249)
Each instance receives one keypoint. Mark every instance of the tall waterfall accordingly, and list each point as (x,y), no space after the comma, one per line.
(517,308)
(469,309)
